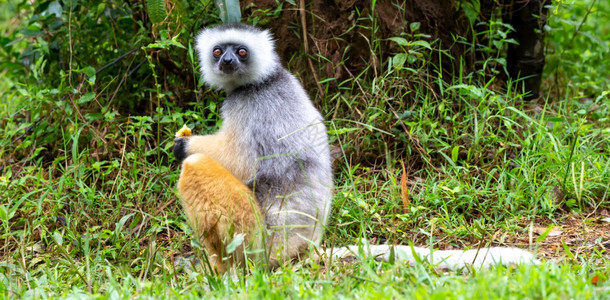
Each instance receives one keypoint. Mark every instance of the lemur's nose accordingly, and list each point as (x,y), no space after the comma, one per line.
(227,60)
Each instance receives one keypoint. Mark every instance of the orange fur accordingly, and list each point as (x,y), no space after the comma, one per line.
(220,147)
(219,206)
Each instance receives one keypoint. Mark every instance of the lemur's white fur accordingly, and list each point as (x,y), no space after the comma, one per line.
(264,55)
(273,139)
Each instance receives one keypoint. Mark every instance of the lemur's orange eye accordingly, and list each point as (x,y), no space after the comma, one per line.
(242,52)
(217,52)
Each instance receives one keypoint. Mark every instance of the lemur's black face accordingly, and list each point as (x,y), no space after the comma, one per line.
(230,57)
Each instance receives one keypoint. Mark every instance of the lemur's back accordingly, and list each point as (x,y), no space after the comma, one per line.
(291,167)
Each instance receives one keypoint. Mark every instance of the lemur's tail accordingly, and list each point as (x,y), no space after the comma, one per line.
(444,259)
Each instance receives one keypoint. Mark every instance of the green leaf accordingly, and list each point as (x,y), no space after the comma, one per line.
(341,131)
(32,30)
(156,10)
(93,116)
(471,10)
(566,249)
(454,153)
(3,214)
(399,60)
(164,43)
(86,98)
(420,43)
(411,59)
(88,70)
(414,26)
(54,9)
(229,10)
(400,41)
(58,238)
(545,233)
(118,227)
(237,240)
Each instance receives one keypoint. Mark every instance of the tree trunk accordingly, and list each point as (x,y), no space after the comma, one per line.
(526,59)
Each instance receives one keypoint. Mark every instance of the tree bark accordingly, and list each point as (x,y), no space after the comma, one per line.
(526,59)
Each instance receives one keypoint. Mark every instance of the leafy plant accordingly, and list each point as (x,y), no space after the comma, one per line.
(156,10)
(229,10)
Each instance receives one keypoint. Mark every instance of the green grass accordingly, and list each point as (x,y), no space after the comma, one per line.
(546,281)
(88,206)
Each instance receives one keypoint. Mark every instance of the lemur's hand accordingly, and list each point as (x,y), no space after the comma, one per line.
(184,131)
(180,143)
(180,148)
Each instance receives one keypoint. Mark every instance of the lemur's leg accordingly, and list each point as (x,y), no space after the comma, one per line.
(219,207)
(292,232)
(286,241)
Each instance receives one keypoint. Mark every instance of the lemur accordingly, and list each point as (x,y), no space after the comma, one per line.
(272,139)
(273,146)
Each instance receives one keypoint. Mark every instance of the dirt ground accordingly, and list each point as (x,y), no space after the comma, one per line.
(587,234)
(571,237)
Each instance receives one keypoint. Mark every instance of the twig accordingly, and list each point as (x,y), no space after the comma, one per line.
(116,60)
(416,143)
(306,46)
(136,67)
(162,207)
(116,90)
(70,44)
(359,87)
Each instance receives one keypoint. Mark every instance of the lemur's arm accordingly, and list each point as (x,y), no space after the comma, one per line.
(211,145)
(218,146)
